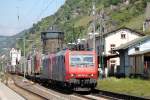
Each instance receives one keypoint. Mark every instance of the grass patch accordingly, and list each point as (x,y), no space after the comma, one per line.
(137,87)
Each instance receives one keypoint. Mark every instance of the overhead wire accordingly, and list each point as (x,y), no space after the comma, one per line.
(55,19)
(43,10)
(32,7)
(29,12)
(19,17)
(49,2)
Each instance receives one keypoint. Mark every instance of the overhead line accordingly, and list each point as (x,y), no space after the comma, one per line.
(25,17)
(44,10)
(32,7)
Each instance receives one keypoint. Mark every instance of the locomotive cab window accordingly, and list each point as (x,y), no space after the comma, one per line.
(81,60)
(88,59)
(75,60)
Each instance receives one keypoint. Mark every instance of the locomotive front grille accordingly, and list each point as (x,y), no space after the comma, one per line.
(82,81)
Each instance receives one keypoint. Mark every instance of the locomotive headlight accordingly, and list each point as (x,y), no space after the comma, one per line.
(92,75)
(72,75)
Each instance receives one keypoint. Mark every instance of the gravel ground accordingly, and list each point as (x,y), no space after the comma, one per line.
(26,94)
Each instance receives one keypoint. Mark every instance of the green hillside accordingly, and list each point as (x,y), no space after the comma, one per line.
(75,17)
(8,42)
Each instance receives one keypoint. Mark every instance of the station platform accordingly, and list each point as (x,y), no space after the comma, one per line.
(8,94)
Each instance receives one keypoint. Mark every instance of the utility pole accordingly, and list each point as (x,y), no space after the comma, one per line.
(24,53)
(24,46)
(94,19)
(101,45)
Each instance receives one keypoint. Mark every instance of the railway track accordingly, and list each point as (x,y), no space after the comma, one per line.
(28,95)
(74,95)
(36,89)
(98,94)
(94,95)
(68,93)
(79,95)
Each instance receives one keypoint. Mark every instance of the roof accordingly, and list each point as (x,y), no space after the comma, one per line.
(133,42)
(52,35)
(122,28)
(111,56)
(141,52)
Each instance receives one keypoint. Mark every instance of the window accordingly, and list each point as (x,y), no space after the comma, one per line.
(81,60)
(88,59)
(98,50)
(123,36)
(75,59)
(112,47)
(136,48)
(113,61)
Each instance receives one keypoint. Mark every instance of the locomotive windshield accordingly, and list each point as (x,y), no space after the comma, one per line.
(81,60)
(88,59)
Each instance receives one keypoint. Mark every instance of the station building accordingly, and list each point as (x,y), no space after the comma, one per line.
(107,42)
(135,57)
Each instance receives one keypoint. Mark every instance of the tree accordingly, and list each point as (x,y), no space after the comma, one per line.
(115,2)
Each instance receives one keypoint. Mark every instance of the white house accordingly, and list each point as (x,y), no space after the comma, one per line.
(135,57)
(111,40)
(15,56)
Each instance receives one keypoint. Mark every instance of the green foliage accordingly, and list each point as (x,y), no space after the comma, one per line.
(72,32)
(131,12)
(137,87)
(107,3)
(135,23)
(115,2)
(74,18)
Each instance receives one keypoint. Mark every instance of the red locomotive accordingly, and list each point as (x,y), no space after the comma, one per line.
(75,69)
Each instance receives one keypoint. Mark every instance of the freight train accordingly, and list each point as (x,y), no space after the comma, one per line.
(74,69)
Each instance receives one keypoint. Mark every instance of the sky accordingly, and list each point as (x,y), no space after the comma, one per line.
(17,15)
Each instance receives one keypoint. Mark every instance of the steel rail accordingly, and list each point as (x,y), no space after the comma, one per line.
(44,98)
